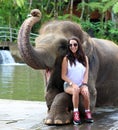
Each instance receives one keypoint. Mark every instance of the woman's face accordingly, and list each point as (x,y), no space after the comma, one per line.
(73,45)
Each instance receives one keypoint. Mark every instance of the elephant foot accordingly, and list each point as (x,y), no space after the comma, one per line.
(59,112)
(58,118)
(48,121)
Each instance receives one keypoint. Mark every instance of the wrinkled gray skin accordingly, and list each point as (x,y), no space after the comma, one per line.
(50,48)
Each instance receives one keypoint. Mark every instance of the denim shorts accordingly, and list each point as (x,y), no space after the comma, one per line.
(65,85)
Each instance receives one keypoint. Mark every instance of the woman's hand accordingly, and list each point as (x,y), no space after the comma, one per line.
(84,90)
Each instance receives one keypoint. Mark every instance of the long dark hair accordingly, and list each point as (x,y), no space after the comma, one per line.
(80,55)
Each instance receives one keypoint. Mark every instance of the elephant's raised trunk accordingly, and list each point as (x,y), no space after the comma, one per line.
(29,55)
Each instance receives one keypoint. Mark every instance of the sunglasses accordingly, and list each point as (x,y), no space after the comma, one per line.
(75,45)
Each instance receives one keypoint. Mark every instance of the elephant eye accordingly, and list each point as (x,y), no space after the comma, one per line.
(62,49)
(63,46)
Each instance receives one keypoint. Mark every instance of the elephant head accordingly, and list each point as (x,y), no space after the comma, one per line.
(50,44)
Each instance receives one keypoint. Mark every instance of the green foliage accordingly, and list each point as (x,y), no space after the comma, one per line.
(115,8)
(95,5)
(11,14)
(14,12)
(91,5)
(106,31)
(20,3)
(108,4)
(103,29)
(69,17)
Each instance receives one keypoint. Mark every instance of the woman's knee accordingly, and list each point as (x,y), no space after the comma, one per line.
(85,92)
(76,91)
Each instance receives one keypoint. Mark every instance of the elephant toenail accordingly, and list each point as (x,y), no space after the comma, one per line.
(48,121)
(67,121)
(58,122)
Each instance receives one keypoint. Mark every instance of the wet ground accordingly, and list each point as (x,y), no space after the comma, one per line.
(28,115)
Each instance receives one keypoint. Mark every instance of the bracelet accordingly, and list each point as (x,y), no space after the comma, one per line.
(84,84)
(70,84)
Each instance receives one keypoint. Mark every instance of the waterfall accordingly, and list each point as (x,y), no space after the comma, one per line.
(6,57)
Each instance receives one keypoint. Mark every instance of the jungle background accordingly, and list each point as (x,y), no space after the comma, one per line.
(97,17)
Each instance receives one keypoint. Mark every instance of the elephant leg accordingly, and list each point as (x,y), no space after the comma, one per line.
(50,95)
(92,88)
(93,98)
(60,110)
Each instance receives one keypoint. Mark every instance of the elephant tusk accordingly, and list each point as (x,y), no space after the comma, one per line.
(47,75)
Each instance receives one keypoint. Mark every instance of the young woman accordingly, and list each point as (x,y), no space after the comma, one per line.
(75,74)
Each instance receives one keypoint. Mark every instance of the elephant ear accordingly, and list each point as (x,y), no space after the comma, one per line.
(88,46)
(62,50)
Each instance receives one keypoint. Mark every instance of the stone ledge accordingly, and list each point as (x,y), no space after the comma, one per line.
(22,115)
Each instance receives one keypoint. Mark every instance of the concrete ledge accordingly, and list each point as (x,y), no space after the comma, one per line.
(29,115)
(22,115)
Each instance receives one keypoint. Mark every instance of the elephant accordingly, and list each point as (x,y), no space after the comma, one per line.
(51,47)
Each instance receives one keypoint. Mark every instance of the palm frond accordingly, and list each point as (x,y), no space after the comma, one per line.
(109,4)
(115,8)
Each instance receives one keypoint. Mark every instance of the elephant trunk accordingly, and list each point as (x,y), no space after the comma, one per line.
(28,53)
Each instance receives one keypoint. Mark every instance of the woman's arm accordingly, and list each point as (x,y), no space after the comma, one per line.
(64,70)
(85,80)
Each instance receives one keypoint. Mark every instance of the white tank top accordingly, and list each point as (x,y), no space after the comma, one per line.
(76,72)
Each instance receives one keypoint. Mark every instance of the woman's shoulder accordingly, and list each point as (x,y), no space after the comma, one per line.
(86,57)
(65,58)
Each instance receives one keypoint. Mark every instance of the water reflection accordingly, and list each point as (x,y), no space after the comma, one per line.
(21,82)
(71,127)
(85,127)
(6,73)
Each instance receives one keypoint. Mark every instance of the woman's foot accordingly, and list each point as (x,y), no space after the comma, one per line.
(88,117)
(76,118)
